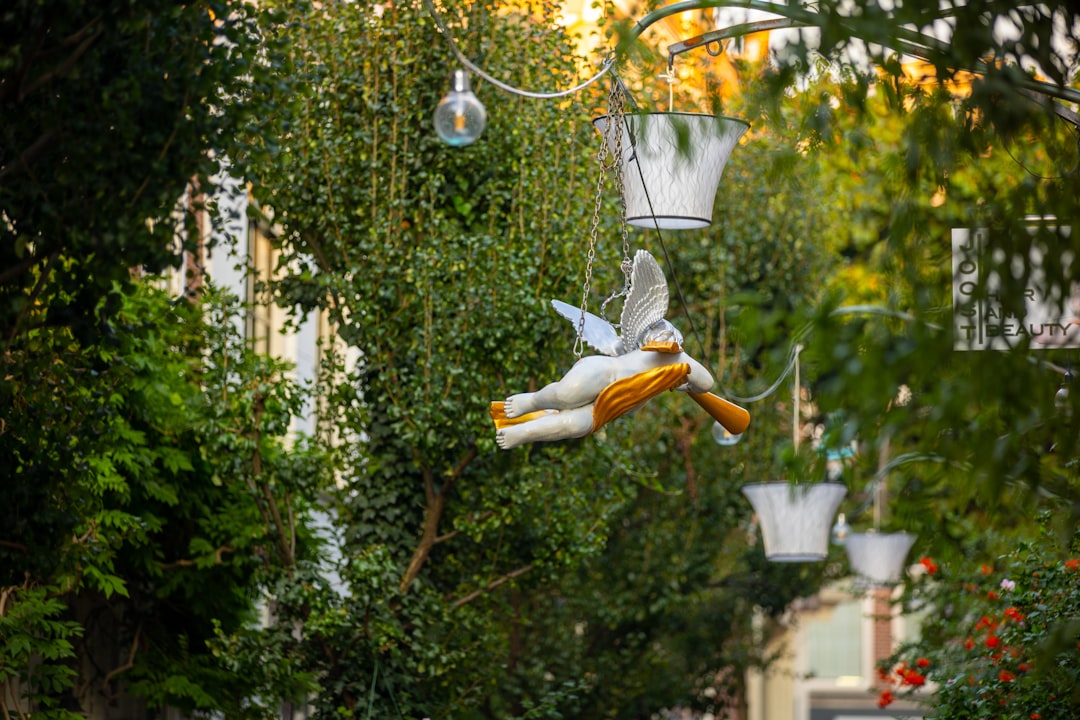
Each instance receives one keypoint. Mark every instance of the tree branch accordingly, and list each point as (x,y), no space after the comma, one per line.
(492,585)
(283,543)
(75,37)
(123,668)
(80,539)
(34,52)
(436,502)
(459,469)
(270,513)
(453,533)
(27,157)
(218,559)
(9,687)
(14,80)
(164,150)
(63,68)
(317,250)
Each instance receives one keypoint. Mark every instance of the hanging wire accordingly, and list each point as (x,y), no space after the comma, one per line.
(881,479)
(606,66)
(796,396)
(1037,176)
(663,247)
(793,358)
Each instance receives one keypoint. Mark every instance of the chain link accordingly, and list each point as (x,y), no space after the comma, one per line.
(591,254)
(627,262)
(614,126)
(618,114)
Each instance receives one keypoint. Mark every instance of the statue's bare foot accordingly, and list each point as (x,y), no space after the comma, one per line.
(518,405)
(507,439)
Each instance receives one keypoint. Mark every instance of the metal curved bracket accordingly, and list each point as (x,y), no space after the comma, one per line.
(907,41)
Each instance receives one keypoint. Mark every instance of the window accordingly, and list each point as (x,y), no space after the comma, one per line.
(260,329)
(834,642)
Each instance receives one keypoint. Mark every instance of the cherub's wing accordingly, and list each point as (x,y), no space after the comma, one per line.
(647,301)
(598,333)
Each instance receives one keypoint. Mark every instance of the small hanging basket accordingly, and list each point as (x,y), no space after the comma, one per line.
(795,519)
(878,558)
(671,165)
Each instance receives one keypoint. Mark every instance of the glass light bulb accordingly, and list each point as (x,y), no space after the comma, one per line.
(840,530)
(723,437)
(460,117)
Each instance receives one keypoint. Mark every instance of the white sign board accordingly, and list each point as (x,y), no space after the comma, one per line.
(981,322)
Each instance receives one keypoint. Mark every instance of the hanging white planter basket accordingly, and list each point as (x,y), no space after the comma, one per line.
(878,558)
(671,165)
(795,519)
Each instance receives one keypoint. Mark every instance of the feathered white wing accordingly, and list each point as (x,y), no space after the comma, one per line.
(598,332)
(647,301)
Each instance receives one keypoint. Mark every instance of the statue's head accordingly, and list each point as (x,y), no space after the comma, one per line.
(660,331)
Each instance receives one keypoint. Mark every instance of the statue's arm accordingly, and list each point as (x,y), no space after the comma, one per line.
(700,379)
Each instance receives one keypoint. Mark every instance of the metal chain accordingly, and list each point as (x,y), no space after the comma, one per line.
(617,115)
(627,262)
(614,108)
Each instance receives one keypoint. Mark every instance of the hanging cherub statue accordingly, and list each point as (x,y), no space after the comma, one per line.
(635,367)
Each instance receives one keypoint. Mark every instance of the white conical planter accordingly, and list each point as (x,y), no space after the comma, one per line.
(671,165)
(795,519)
(878,558)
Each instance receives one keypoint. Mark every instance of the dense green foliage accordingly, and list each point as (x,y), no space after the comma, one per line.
(110,109)
(157,501)
(150,490)
(145,476)
(442,284)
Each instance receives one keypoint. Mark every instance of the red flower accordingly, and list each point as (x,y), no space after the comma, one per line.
(992,641)
(929,564)
(923,662)
(1015,615)
(885,699)
(1072,564)
(1023,667)
(913,677)
(1006,676)
(992,595)
(1035,716)
(969,643)
(986,569)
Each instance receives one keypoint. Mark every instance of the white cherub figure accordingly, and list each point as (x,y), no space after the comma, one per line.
(644,361)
